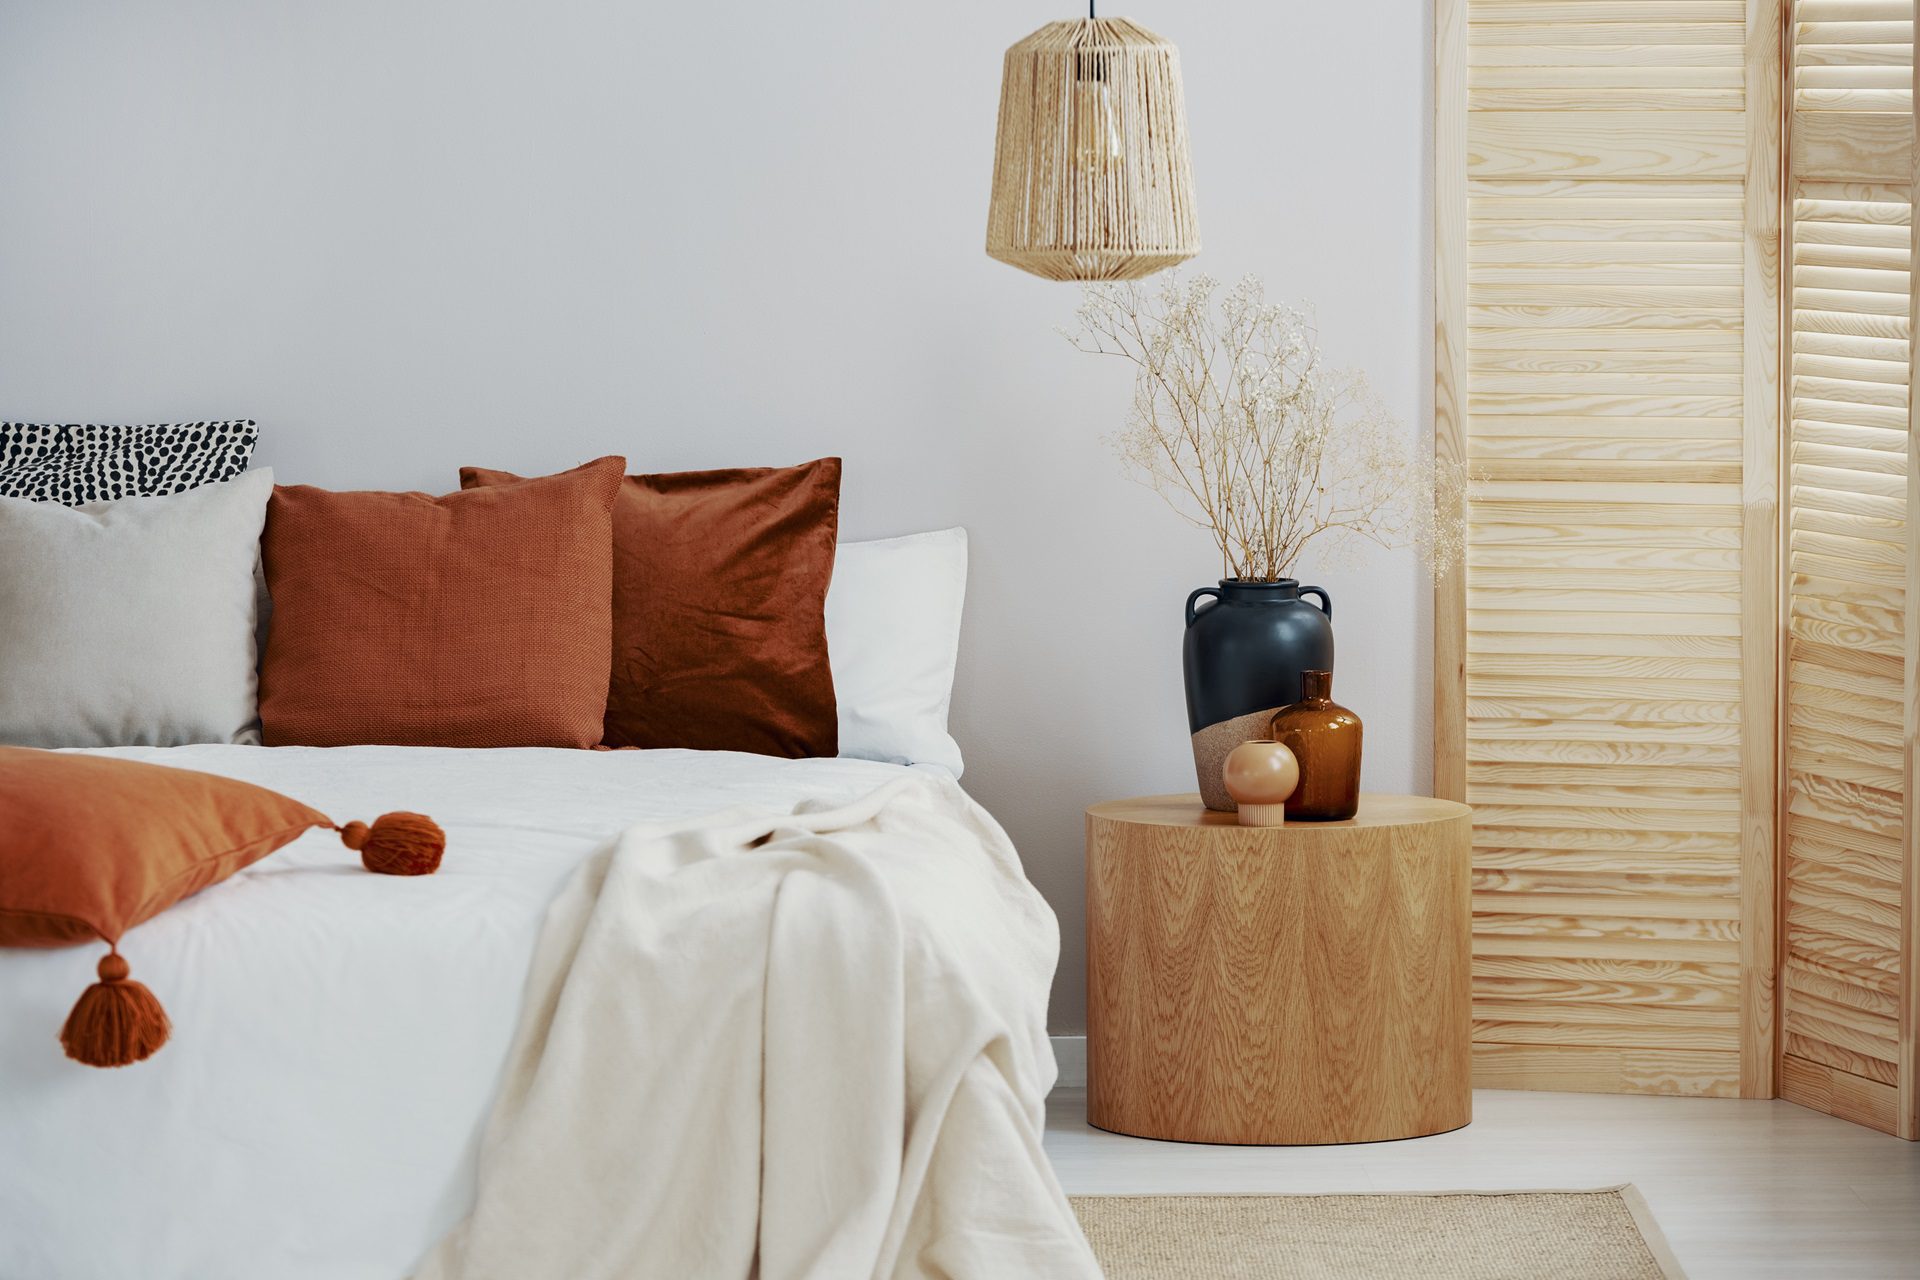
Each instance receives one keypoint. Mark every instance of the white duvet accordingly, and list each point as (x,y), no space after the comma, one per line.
(340,1038)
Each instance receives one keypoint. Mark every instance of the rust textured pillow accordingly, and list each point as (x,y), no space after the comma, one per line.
(478,619)
(719,608)
(93,846)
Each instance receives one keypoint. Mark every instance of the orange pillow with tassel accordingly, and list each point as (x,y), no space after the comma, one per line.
(90,846)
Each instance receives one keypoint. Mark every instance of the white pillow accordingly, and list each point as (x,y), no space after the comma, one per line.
(893,637)
(131,622)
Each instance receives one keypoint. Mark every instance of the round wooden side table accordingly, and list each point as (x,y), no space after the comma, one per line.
(1307,983)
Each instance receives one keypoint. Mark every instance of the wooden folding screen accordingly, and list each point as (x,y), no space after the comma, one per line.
(1847,985)
(1606,271)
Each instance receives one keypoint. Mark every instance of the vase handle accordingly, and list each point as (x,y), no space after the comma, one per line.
(1206,591)
(1326,601)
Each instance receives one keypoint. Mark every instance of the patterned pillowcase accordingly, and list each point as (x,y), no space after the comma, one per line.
(72,464)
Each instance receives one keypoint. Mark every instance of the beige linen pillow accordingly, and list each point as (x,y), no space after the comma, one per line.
(131,622)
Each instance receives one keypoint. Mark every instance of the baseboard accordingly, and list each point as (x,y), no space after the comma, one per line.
(1070,1052)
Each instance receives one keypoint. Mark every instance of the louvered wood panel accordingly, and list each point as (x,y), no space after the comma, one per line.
(1847,987)
(1606,355)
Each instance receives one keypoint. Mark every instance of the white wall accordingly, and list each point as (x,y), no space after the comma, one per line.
(411,234)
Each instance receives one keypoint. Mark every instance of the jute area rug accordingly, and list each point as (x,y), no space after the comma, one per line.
(1517,1235)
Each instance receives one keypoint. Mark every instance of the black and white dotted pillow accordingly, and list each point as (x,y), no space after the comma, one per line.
(74,463)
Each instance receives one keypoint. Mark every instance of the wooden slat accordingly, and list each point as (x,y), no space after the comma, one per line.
(1811,30)
(1609,11)
(1622,54)
(1853,146)
(1853,11)
(1851,566)
(1548,876)
(1689,1033)
(1817,1050)
(1450,223)
(1837,986)
(1906,1119)
(1838,1093)
(1608,273)
(1760,532)
(1596,1069)
(1864,977)
(1576,28)
(1594,144)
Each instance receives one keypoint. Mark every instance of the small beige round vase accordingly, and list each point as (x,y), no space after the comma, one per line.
(1260,775)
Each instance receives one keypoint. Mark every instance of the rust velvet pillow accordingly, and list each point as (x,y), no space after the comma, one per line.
(477,619)
(719,608)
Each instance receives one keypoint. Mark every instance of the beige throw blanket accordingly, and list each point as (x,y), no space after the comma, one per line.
(811,1044)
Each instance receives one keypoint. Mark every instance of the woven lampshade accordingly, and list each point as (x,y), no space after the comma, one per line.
(1091,179)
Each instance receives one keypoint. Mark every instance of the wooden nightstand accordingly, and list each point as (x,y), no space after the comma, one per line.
(1307,983)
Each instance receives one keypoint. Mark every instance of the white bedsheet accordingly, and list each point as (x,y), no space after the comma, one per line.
(338,1037)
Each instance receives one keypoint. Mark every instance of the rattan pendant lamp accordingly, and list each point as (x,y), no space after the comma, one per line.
(1091,179)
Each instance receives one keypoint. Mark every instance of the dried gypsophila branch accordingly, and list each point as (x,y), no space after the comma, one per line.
(1238,425)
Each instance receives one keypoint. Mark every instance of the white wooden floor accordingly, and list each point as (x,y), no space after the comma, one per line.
(1742,1189)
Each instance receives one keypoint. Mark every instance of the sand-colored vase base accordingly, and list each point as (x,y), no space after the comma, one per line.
(1263,815)
(1213,744)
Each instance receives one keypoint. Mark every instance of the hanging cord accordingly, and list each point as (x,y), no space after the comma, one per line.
(1089,10)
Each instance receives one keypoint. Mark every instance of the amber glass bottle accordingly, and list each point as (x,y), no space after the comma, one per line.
(1325,737)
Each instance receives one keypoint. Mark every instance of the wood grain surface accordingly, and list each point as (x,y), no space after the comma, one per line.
(1449,380)
(1846,973)
(1607,268)
(1907,1118)
(1298,984)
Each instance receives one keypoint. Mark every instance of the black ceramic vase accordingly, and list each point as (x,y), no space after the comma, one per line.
(1243,658)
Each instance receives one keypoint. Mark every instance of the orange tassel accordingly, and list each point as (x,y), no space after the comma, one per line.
(397,844)
(116,1021)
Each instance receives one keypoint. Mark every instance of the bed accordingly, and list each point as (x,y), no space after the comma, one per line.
(341,1040)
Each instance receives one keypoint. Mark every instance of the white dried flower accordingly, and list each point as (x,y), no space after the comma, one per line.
(1236,423)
